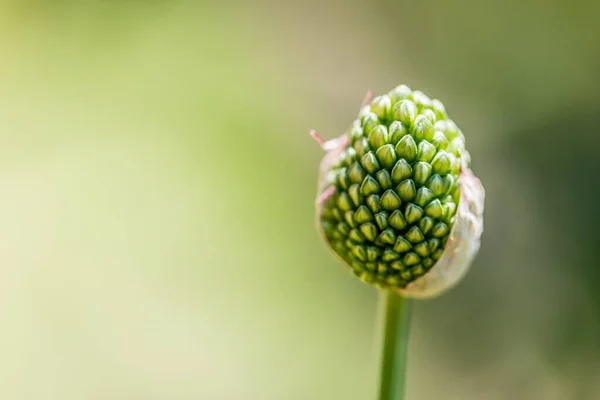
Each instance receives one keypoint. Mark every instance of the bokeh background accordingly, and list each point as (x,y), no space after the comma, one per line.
(157,188)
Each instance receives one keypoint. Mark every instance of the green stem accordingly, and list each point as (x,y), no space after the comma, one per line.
(395,346)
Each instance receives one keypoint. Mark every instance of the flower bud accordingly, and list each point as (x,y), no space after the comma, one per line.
(430,115)
(381,106)
(397,200)
(407,148)
(369,163)
(422,171)
(386,156)
(369,186)
(407,190)
(384,179)
(439,141)
(401,92)
(397,132)
(401,171)
(390,200)
(369,122)
(421,100)
(441,163)
(439,109)
(422,129)
(378,137)
(361,146)
(426,151)
(405,112)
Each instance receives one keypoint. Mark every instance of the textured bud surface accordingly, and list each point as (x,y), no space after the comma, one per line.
(397,200)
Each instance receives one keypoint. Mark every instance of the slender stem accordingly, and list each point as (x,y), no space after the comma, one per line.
(395,346)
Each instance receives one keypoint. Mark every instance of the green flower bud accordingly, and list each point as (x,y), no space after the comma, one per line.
(349,218)
(378,136)
(402,245)
(422,172)
(372,202)
(387,237)
(397,220)
(441,163)
(349,156)
(361,147)
(344,202)
(422,249)
(407,190)
(405,273)
(390,200)
(355,132)
(418,270)
(362,215)
(360,252)
(435,183)
(430,115)
(386,156)
(436,255)
(343,228)
(369,186)
(355,236)
(397,131)
(425,224)
(422,129)
(397,201)
(355,194)
(448,128)
(389,255)
(433,244)
(373,253)
(342,179)
(369,163)
(440,230)
(364,111)
(456,146)
(401,171)
(449,184)
(414,235)
(435,209)
(426,151)
(381,106)
(413,213)
(423,197)
(428,262)
(421,100)
(382,220)
(455,163)
(384,179)
(405,112)
(439,109)
(449,211)
(398,265)
(369,230)
(407,148)
(439,140)
(369,122)
(401,92)
(356,173)
(411,259)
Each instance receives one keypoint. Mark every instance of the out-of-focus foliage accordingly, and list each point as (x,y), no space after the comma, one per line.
(157,189)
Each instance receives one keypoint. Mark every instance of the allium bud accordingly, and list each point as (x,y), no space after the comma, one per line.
(397,200)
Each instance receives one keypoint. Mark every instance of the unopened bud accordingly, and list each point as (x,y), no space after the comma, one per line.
(397,200)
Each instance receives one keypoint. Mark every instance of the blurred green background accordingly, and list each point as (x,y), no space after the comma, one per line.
(157,188)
